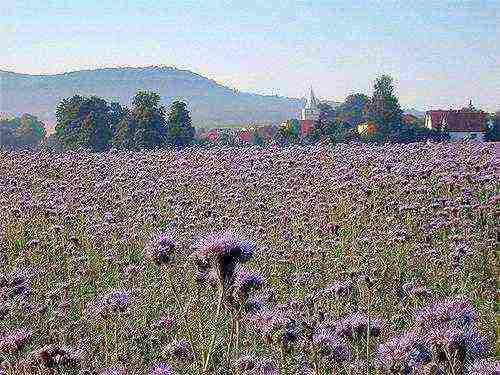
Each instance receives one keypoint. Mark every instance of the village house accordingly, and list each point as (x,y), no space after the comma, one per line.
(465,123)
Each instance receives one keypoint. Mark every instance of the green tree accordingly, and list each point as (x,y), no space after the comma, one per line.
(352,111)
(337,124)
(312,137)
(8,129)
(326,116)
(84,122)
(142,127)
(288,132)
(493,128)
(25,132)
(180,131)
(257,139)
(383,108)
(337,131)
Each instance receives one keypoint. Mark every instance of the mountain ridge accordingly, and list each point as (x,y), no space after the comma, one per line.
(211,103)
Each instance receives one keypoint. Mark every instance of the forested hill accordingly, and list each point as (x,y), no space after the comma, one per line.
(210,103)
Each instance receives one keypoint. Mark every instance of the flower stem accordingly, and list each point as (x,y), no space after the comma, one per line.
(212,341)
(186,324)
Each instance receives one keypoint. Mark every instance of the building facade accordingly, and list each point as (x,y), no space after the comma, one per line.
(465,123)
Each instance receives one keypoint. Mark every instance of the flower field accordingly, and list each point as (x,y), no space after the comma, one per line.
(351,259)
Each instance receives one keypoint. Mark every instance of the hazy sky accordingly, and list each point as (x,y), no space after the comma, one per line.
(440,53)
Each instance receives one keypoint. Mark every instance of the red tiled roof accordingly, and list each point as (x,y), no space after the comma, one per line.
(245,135)
(306,126)
(459,121)
(211,135)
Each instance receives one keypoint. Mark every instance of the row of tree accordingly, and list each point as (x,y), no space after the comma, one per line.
(95,124)
(362,118)
(98,125)
(24,132)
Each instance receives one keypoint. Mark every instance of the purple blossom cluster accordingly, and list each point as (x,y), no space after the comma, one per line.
(354,241)
(445,337)
(104,306)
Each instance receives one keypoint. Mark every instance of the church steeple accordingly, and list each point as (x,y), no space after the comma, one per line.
(311,100)
(310,111)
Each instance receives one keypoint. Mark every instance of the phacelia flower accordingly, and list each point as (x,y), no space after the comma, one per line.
(15,340)
(330,346)
(161,369)
(180,349)
(160,249)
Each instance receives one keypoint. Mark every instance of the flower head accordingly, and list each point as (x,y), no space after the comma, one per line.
(15,340)
(180,349)
(161,369)
(330,345)
(160,249)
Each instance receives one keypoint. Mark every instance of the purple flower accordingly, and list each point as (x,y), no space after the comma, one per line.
(180,350)
(254,304)
(57,355)
(224,252)
(113,371)
(161,369)
(245,282)
(160,249)
(265,367)
(245,363)
(330,345)
(488,366)
(402,352)
(336,289)
(104,305)
(458,310)
(118,301)
(166,322)
(355,326)
(15,340)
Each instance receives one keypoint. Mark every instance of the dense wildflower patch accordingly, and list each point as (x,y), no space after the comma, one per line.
(304,260)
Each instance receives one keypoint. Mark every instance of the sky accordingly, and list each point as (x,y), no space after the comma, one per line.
(441,54)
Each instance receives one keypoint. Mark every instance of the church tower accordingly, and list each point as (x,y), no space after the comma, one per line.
(311,110)
(309,115)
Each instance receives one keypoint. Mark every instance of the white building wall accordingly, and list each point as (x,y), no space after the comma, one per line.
(428,122)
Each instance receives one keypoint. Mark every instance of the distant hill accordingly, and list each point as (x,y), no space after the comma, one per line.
(211,104)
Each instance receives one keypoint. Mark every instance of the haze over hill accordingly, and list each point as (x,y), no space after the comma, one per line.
(210,103)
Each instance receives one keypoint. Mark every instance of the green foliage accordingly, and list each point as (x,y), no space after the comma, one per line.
(337,132)
(352,111)
(25,132)
(383,108)
(84,122)
(288,132)
(257,139)
(493,128)
(180,131)
(326,115)
(312,137)
(145,127)
(339,124)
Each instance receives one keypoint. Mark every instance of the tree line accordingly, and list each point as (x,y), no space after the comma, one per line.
(24,132)
(98,125)
(378,118)
(95,124)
